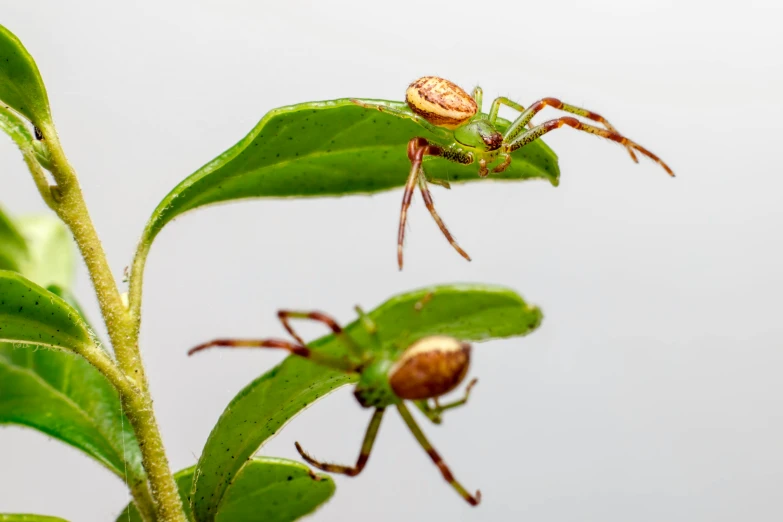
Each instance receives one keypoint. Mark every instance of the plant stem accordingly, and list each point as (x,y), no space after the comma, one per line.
(70,206)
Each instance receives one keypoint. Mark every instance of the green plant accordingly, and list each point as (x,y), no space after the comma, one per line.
(97,399)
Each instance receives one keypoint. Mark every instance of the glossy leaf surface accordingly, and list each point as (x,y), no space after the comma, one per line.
(21,86)
(330,148)
(13,247)
(267,488)
(468,312)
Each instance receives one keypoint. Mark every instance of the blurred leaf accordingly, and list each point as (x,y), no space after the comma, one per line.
(468,312)
(29,518)
(40,247)
(51,250)
(330,148)
(267,488)
(13,248)
(21,86)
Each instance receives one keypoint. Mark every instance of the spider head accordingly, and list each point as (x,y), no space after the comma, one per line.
(479,134)
(429,368)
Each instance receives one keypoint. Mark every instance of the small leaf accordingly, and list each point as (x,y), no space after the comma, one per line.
(30,314)
(13,248)
(268,489)
(330,148)
(29,518)
(60,393)
(468,312)
(16,128)
(21,86)
(51,248)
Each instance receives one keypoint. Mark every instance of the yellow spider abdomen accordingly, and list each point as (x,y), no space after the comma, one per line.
(440,102)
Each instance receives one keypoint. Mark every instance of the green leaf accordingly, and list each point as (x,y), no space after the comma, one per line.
(30,314)
(29,518)
(56,392)
(51,248)
(21,86)
(52,391)
(13,248)
(330,148)
(16,128)
(267,488)
(468,312)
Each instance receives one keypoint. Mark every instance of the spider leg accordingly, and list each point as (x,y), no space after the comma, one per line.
(364,454)
(539,130)
(407,195)
(370,326)
(502,100)
(430,204)
(285,315)
(478,97)
(436,458)
(402,113)
(417,149)
(514,130)
(329,361)
(504,165)
(434,413)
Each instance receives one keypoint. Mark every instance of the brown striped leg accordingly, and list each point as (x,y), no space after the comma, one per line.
(285,315)
(329,361)
(364,454)
(539,130)
(514,130)
(435,413)
(417,149)
(436,458)
(425,194)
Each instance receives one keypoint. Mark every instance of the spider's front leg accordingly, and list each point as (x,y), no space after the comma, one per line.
(417,149)
(285,315)
(518,126)
(539,130)
(329,361)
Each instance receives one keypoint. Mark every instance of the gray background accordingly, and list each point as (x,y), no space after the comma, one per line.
(652,391)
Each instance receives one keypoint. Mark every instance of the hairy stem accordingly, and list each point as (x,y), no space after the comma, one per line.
(70,206)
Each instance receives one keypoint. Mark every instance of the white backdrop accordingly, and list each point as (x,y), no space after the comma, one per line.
(652,391)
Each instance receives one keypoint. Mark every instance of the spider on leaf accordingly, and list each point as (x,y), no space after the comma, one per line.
(455,117)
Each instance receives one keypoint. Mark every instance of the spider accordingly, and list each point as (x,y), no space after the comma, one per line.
(455,118)
(425,370)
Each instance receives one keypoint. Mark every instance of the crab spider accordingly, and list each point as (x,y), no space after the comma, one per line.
(424,371)
(469,136)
